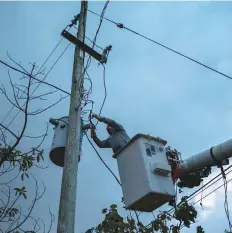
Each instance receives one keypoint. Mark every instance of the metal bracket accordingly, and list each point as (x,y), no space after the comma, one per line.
(99,57)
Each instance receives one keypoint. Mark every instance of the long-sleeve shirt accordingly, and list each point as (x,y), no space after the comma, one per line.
(116,140)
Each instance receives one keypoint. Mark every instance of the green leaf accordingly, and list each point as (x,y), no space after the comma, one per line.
(37,158)
(25,196)
(22,176)
(113,206)
(104,211)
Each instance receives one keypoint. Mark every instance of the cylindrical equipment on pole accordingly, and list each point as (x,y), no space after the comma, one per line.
(57,152)
(59,141)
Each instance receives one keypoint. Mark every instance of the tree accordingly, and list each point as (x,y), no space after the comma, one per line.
(16,165)
(184,215)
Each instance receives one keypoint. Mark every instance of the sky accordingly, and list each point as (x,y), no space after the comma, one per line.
(149,89)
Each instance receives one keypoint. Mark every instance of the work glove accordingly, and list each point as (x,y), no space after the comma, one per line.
(96,116)
(93,133)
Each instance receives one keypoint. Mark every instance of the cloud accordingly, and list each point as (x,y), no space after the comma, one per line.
(213,200)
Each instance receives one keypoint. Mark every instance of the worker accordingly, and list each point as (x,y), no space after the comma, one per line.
(118,136)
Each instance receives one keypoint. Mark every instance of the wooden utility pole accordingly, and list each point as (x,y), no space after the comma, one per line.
(66,220)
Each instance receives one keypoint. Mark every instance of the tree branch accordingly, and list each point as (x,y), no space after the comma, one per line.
(33,77)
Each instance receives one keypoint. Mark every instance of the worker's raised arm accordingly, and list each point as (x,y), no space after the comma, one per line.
(101,144)
(108,121)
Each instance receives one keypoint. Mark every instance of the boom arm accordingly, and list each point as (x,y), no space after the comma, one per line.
(209,157)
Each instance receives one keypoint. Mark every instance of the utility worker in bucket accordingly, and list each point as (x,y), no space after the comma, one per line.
(118,136)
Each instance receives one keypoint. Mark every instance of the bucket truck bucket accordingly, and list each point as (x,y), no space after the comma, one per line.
(145,173)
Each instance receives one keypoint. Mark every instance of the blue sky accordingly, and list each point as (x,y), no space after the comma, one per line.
(150,90)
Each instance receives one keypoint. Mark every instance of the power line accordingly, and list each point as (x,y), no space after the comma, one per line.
(203,188)
(104,81)
(38,71)
(208,195)
(89,61)
(103,161)
(101,20)
(108,170)
(37,80)
(46,83)
(95,43)
(121,26)
(90,40)
(69,26)
(190,197)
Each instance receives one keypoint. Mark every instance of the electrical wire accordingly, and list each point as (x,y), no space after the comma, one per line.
(86,93)
(104,81)
(208,195)
(121,26)
(38,71)
(103,160)
(203,188)
(226,205)
(46,83)
(90,40)
(108,170)
(95,43)
(101,20)
(38,85)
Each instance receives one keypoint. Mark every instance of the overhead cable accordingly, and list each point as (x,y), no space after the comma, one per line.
(121,26)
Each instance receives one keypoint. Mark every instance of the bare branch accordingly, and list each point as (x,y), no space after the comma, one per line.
(17,63)
(38,146)
(9,169)
(11,179)
(52,220)
(25,136)
(25,114)
(23,91)
(13,90)
(3,138)
(30,210)
(52,105)
(8,200)
(9,131)
(33,77)
(7,97)
(39,96)
(39,196)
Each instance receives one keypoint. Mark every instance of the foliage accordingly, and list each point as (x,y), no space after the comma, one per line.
(194,179)
(182,215)
(114,223)
(200,230)
(16,165)
(185,213)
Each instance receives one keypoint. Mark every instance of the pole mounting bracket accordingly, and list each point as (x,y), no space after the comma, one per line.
(102,58)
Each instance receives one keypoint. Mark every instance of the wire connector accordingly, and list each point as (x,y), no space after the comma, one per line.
(53,122)
(74,21)
(105,54)
(120,25)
